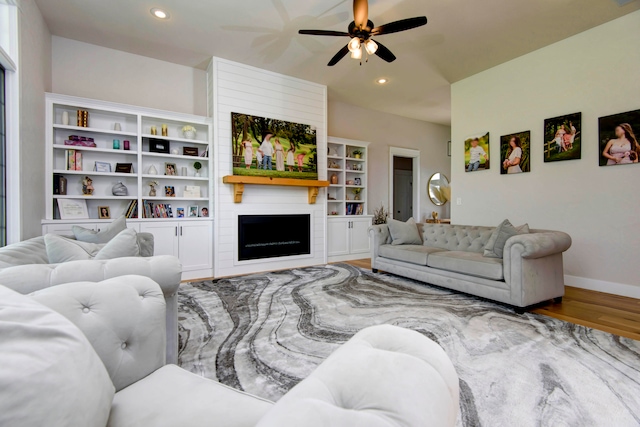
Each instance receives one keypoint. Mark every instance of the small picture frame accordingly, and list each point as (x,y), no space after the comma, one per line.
(180,212)
(73,209)
(102,167)
(193,211)
(104,212)
(190,151)
(124,167)
(357,181)
(170,169)
(158,146)
(204,212)
(169,191)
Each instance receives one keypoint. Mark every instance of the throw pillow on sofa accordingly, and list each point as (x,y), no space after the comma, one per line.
(104,235)
(61,249)
(495,245)
(404,233)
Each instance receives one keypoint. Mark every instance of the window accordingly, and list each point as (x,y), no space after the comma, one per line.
(3,174)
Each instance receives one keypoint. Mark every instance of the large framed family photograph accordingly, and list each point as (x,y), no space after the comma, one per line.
(618,136)
(476,153)
(562,138)
(273,148)
(515,153)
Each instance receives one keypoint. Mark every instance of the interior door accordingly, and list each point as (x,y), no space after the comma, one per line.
(402,194)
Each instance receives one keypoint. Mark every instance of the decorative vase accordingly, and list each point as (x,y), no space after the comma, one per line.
(357,197)
(197,174)
(65,118)
(356,156)
(152,170)
(334,179)
(152,191)
(190,134)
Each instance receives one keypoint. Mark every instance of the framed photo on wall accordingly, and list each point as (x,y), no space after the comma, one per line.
(515,153)
(618,135)
(562,138)
(476,152)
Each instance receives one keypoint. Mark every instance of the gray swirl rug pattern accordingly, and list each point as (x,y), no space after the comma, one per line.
(265,333)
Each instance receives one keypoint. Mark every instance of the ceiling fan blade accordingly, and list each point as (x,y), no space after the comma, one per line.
(402,25)
(384,53)
(360,13)
(323,33)
(343,52)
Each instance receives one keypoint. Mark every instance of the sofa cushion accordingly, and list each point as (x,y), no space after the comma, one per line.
(49,373)
(172,396)
(404,233)
(61,249)
(495,246)
(471,263)
(456,237)
(104,235)
(415,254)
(31,251)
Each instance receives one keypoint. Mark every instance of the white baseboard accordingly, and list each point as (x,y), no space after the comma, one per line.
(621,289)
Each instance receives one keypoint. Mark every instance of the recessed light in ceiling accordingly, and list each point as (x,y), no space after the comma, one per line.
(159,13)
(382,81)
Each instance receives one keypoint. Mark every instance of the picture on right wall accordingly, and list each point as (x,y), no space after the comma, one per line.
(562,138)
(514,153)
(618,141)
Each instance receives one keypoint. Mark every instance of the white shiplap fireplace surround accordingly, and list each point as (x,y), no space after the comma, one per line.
(237,88)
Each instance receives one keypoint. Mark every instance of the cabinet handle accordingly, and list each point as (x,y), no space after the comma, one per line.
(181,230)
(176,231)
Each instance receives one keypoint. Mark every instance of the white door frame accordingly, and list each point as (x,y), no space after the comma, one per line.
(415,155)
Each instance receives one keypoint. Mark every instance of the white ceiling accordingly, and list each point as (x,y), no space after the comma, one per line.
(462,38)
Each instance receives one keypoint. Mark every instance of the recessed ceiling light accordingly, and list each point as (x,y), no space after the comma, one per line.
(159,13)
(382,81)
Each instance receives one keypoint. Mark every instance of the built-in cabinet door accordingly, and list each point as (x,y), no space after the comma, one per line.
(196,248)
(337,236)
(360,236)
(165,237)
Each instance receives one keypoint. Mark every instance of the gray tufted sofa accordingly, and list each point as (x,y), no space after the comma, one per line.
(25,268)
(451,256)
(91,355)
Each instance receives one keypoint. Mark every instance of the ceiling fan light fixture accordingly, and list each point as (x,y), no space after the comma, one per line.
(371,47)
(354,45)
(357,54)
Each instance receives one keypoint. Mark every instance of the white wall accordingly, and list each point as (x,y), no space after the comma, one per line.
(596,73)
(35,80)
(96,72)
(384,131)
(242,89)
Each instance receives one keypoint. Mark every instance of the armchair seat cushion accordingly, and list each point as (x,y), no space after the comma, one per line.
(472,263)
(414,254)
(172,396)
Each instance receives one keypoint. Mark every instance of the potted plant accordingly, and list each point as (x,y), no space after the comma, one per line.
(197,166)
(357,192)
(189,132)
(357,153)
(380,216)
(152,190)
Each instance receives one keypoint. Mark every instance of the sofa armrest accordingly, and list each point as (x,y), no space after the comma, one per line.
(383,376)
(165,270)
(538,245)
(379,235)
(123,318)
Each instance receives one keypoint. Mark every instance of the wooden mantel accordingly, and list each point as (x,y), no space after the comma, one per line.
(239,181)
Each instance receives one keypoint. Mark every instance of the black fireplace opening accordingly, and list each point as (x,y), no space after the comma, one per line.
(273,236)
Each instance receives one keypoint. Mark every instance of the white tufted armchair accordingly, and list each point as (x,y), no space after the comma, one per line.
(384,376)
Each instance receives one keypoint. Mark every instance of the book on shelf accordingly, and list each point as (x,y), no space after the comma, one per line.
(132,210)
(73,160)
(159,210)
(59,185)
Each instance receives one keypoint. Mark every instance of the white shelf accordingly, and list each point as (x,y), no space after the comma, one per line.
(93,173)
(177,177)
(189,199)
(95,130)
(95,149)
(344,148)
(352,171)
(175,156)
(81,196)
(172,139)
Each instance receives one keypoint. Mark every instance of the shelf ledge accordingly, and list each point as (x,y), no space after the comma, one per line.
(240,181)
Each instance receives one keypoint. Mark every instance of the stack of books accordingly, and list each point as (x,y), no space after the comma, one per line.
(74,160)
(132,210)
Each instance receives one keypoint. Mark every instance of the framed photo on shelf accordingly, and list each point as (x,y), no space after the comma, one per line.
(169,191)
(73,209)
(193,211)
(190,151)
(204,212)
(180,212)
(102,167)
(357,181)
(104,212)
(158,146)
(170,169)
(123,167)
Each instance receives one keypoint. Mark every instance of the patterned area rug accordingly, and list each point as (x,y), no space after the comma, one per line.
(265,333)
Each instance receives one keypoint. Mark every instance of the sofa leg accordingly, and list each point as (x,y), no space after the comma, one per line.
(557,300)
(519,310)
(375,270)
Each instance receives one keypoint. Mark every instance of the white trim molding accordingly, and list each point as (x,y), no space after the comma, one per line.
(621,289)
(415,155)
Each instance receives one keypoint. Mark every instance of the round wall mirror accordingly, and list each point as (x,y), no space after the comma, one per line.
(438,189)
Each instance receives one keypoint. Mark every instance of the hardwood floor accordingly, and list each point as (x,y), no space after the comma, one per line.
(606,312)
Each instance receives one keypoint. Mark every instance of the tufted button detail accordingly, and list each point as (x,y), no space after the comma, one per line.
(123,346)
(85,310)
(141,296)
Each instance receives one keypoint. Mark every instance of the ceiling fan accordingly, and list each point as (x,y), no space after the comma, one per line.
(361,31)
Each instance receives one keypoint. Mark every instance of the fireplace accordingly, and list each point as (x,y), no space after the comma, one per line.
(273,236)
